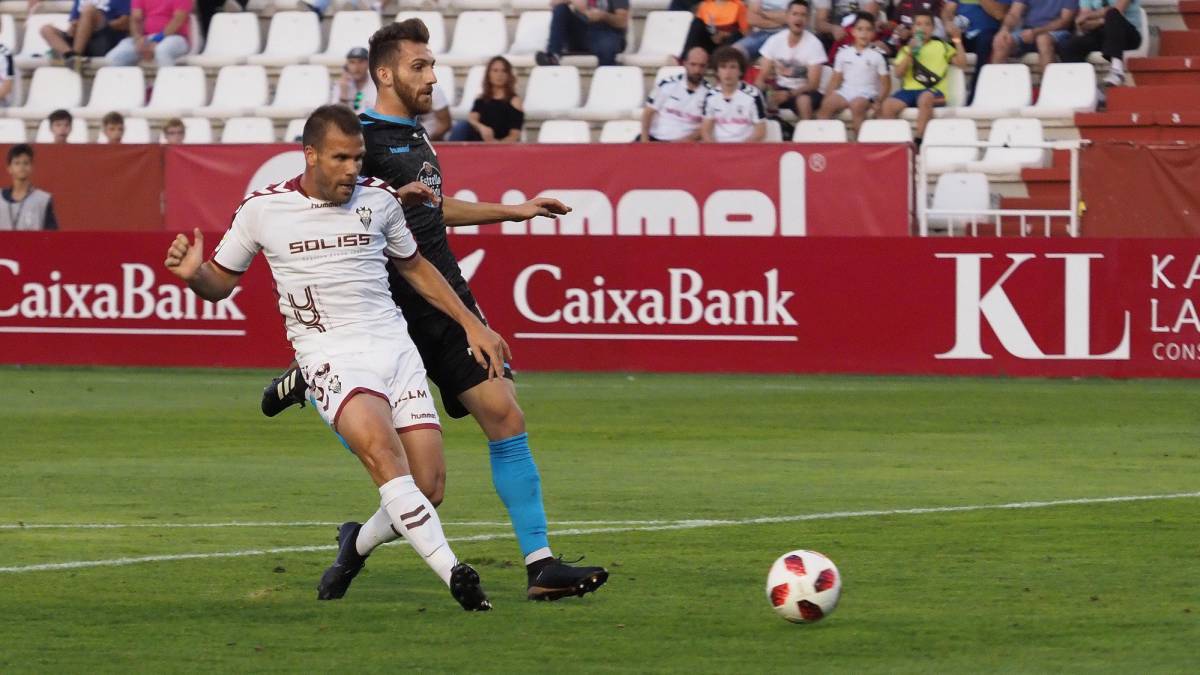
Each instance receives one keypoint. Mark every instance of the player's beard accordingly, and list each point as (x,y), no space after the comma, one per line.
(411,99)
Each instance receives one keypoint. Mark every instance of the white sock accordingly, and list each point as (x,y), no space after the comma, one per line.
(540,554)
(376,532)
(415,518)
(1117,66)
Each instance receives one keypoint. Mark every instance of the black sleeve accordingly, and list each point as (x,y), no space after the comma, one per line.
(477,107)
(760,105)
(50,222)
(517,118)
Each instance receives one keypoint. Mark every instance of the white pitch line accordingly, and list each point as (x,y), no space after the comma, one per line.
(672,525)
(295,523)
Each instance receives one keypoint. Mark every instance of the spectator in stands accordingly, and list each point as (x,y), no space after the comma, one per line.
(158,30)
(61,123)
(497,115)
(354,87)
(765,18)
(675,108)
(860,76)
(1108,29)
(828,15)
(94,28)
(1029,25)
(592,26)
(734,111)
(7,73)
(923,65)
(717,22)
(113,127)
(976,22)
(205,9)
(25,207)
(174,132)
(437,122)
(790,65)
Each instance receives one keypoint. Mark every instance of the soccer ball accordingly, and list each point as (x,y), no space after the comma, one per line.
(804,586)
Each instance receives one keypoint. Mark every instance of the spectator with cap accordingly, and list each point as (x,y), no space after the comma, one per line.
(354,87)
(588,26)
(158,30)
(61,124)
(25,207)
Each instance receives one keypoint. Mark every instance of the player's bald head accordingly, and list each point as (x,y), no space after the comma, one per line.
(387,43)
(333,116)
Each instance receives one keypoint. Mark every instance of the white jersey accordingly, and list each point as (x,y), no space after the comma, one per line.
(791,63)
(328,259)
(860,72)
(679,110)
(735,117)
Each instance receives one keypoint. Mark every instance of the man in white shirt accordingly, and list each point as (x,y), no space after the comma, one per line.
(327,235)
(354,87)
(675,108)
(790,65)
(734,111)
(860,76)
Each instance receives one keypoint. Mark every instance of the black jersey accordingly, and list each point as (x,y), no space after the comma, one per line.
(399,152)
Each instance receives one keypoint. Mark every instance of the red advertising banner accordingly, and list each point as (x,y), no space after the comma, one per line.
(1140,190)
(757,190)
(1099,307)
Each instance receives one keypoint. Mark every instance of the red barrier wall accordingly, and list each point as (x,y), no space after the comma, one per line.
(1107,307)
(1135,190)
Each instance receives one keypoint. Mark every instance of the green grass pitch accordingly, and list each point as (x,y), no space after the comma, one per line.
(1086,587)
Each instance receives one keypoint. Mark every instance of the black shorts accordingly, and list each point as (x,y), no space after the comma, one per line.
(100,43)
(443,347)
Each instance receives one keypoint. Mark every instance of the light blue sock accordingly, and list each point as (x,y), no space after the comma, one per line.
(516,479)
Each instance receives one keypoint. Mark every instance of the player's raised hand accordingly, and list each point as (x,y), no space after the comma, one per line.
(415,193)
(489,349)
(183,258)
(540,206)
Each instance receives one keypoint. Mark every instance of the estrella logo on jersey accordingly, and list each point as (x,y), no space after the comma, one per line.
(432,178)
(364,216)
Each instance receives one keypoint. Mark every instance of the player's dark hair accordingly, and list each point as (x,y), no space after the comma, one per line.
(922,12)
(113,117)
(863,16)
(802,3)
(334,114)
(384,45)
(727,54)
(60,114)
(20,150)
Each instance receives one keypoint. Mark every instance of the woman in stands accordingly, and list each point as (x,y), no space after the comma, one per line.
(1110,29)
(497,116)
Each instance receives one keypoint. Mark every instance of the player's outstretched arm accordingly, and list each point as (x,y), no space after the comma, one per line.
(456,212)
(488,348)
(186,260)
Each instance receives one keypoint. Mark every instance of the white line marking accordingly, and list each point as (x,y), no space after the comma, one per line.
(653,336)
(296,523)
(669,525)
(120,331)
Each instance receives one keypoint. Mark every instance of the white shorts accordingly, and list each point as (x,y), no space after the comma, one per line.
(389,368)
(851,94)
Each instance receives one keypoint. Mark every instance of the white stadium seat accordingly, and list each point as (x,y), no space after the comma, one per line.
(137,130)
(965,192)
(620,131)
(301,89)
(774,132)
(552,91)
(564,131)
(1066,89)
(8,32)
(665,72)
(1003,90)
(532,34)
(1010,160)
(949,132)
(662,39)
(197,130)
(472,88)
(12,130)
(616,93)
(79,132)
(33,47)
(239,90)
(464,5)
(649,5)
(232,37)
(478,36)
(50,89)
(445,79)
(819,131)
(522,6)
(295,130)
(292,38)
(349,29)
(885,131)
(177,91)
(436,25)
(114,88)
(248,130)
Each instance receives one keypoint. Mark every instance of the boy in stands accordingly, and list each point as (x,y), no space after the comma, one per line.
(923,65)
(860,76)
(734,111)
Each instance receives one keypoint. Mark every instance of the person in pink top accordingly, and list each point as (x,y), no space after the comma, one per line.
(158,29)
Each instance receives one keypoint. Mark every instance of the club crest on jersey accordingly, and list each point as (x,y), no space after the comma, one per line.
(335,385)
(432,178)
(364,216)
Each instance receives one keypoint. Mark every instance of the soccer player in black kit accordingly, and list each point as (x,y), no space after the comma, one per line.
(399,152)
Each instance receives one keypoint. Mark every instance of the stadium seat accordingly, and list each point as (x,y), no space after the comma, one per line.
(966,192)
(1000,159)
(552,91)
(649,5)
(79,133)
(663,36)
(668,71)
(239,90)
(197,130)
(522,6)
(564,131)
(620,131)
(774,132)
(436,25)
(465,5)
(349,29)
(885,131)
(248,130)
(8,32)
(819,131)
(472,87)
(295,130)
(114,88)
(1067,88)
(232,37)
(137,130)
(293,37)
(478,36)
(533,31)
(33,47)
(445,78)
(300,90)
(50,89)
(942,132)
(177,91)
(616,93)
(1003,90)
(12,130)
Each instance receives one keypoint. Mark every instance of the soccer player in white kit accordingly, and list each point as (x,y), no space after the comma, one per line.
(327,235)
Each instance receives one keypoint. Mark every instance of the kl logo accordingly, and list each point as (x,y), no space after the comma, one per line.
(973,306)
